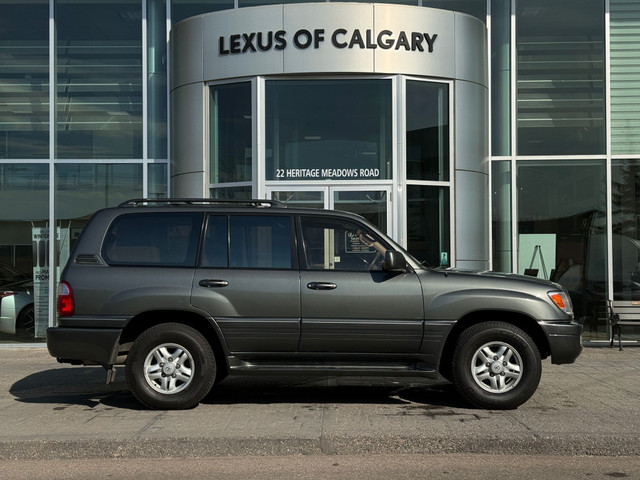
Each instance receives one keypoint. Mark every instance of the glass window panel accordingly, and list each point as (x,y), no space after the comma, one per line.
(232,193)
(328,129)
(501,217)
(259,242)
(371,205)
(501,78)
(428,224)
(625,197)
(23,256)
(562,231)
(99,68)
(560,80)
(477,8)
(181,9)
(305,199)
(157,78)
(231,133)
(82,189)
(24,80)
(427,107)
(157,179)
(625,77)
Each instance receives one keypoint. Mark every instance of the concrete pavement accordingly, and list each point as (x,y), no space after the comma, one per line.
(53,411)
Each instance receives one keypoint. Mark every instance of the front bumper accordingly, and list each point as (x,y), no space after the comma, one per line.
(565,340)
(84,345)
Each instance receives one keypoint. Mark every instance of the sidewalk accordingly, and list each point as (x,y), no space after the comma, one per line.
(58,411)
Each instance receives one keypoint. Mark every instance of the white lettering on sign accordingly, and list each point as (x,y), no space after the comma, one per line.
(325,173)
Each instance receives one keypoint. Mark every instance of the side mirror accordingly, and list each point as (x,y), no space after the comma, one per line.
(394,262)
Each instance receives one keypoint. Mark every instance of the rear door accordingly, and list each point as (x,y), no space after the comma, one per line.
(248,281)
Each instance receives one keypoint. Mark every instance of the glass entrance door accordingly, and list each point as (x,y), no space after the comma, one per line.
(372,202)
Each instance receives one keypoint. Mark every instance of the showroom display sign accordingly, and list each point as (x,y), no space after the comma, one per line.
(41,271)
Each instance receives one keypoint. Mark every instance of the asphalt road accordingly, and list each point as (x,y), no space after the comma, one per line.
(53,416)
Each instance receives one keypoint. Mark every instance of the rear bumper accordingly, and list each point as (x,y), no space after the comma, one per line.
(565,340)
(84,345)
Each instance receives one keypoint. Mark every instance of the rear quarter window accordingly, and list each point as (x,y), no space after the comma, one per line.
(157,239)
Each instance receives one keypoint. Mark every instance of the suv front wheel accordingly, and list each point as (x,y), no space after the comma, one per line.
(170,366)
(496,365)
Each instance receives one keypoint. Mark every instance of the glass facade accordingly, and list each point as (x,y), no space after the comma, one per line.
(74,103)
(84,116)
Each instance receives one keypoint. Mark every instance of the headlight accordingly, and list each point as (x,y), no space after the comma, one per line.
(562,301)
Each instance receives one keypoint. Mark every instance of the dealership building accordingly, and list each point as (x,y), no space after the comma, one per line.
(485,134)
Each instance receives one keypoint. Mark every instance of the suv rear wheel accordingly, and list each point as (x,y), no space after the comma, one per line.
(496,365)
(170,366)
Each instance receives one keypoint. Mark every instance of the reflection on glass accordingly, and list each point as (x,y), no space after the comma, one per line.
(231,138)
(624,47)
(232,193)
(427,107)
(99,72)
(26,189)
(560,85)
(501,78)
(311,199)
(477,8)
(83,189)
(157,180)
(562,230)
(625,197)
(501,219)
(372,205)
(428,224)
(157,78)
(24,77)
(328,129)
(181,9)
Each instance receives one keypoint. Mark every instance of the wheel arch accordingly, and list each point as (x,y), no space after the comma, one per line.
(143,321)
(529,325)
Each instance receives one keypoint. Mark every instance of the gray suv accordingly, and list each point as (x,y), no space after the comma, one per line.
(184,292)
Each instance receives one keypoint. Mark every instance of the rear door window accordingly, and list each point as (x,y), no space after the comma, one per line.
(260,241)
(158,239)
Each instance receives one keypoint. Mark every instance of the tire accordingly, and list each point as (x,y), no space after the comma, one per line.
(26,322)
(170,367)
(496,365)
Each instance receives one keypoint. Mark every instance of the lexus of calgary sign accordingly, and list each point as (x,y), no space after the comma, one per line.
(339,38)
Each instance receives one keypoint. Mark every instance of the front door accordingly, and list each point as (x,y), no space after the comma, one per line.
(349,303)
(370,201)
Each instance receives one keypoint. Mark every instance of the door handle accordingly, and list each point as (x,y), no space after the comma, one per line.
(321,286)
(209,283)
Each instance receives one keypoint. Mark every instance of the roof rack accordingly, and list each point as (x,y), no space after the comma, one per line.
(203,201)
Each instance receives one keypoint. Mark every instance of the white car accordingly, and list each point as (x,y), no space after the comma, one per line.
(16,301)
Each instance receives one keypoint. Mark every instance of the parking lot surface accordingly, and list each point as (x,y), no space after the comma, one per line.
(53,411)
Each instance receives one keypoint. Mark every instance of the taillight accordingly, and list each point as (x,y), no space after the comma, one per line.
(66,305)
